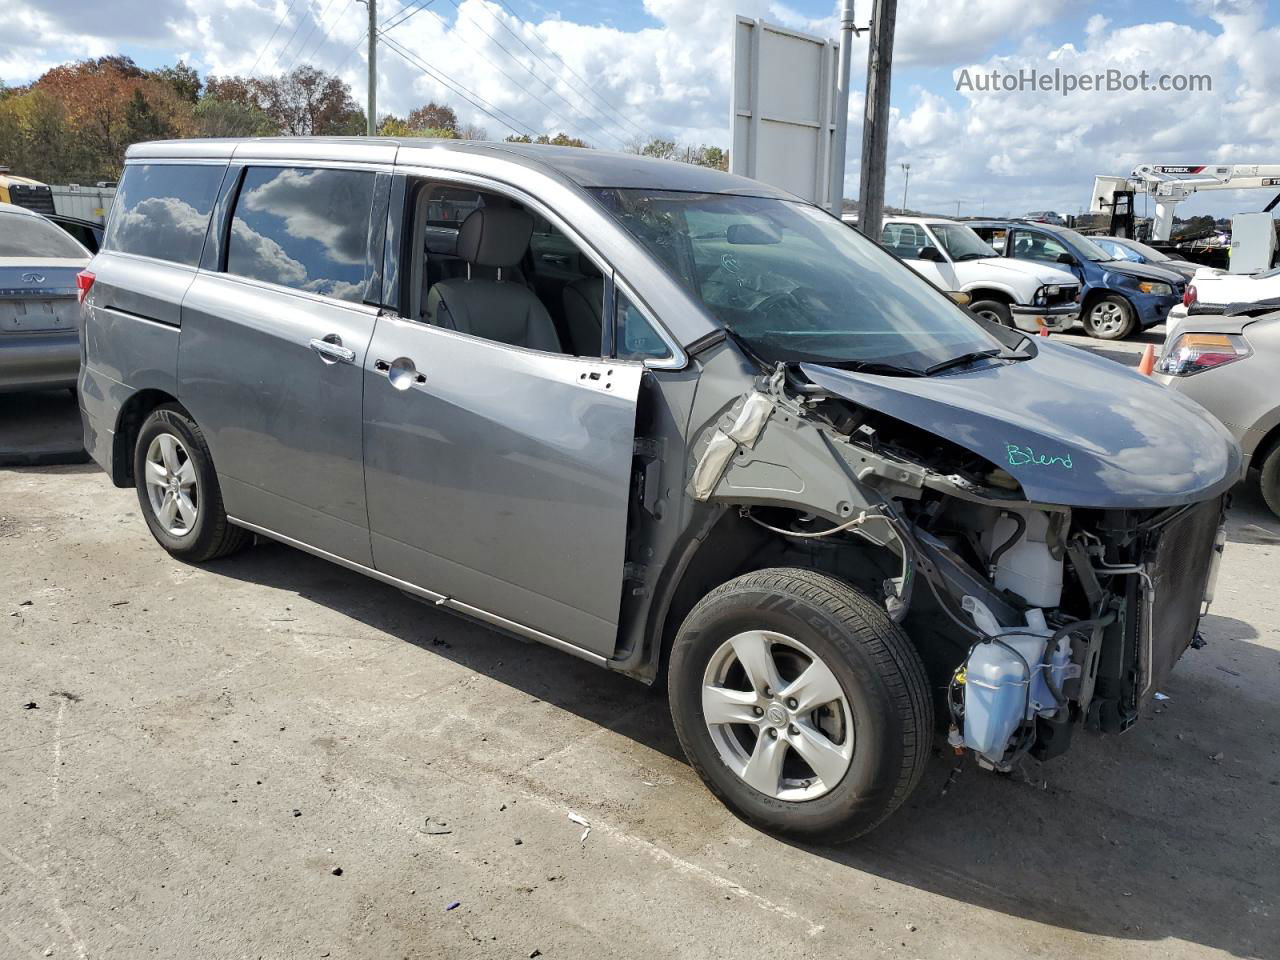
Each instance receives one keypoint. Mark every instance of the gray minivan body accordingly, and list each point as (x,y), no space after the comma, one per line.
(604,501)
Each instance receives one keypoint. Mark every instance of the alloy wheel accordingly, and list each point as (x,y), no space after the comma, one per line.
(778,716)
(1107,317)
(172,488)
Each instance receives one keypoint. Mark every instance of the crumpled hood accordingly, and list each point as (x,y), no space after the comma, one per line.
(1072,428)
(1039,271)
(1142,271)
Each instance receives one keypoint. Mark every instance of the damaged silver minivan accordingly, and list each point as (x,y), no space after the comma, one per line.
(675,422)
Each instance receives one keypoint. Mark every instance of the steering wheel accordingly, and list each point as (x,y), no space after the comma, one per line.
(790,301)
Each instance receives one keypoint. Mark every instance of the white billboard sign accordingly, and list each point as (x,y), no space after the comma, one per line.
(782,109)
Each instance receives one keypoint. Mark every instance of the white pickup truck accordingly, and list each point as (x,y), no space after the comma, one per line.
(1017,293)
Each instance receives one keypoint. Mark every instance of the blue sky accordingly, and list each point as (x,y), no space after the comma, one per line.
(615,70)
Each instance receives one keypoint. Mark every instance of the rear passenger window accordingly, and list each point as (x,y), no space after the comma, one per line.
(305,229)
(162,210)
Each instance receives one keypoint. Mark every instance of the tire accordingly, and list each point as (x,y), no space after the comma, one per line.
(195,531)
(994,311)
(1109,318)
(882,721)
(1269,479)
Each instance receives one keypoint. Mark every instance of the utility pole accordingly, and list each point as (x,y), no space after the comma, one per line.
(371,125)
(847,33)
(875,119)
(906,170)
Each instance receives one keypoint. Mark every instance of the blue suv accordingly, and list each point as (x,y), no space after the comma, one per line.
(1119,297)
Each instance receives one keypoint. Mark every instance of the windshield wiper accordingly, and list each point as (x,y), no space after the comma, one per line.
(875,366)
(961,360)
(972,256)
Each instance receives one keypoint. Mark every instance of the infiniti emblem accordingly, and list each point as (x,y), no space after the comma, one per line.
(33,278)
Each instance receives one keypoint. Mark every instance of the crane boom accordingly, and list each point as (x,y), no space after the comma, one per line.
(1170,184)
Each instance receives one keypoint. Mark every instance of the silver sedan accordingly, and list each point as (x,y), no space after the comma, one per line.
(39,337)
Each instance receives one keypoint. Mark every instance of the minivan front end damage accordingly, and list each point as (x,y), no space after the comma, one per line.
(1032,617)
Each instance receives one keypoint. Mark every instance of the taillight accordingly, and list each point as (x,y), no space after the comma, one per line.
(1190,295)
(84,283)
(1197,352)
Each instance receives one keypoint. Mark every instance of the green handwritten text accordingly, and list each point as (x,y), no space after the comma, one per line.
(1026,457)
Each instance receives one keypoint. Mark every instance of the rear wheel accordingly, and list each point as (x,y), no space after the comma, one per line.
(1269,479)
(802,706)
(1110,318)
(178,489)
(993,310)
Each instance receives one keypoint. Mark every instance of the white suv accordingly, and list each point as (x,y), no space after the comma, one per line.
(1011,292)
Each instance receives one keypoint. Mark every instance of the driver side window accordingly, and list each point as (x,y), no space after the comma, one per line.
(1036,246)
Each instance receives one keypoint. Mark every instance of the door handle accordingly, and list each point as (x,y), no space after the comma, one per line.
(331,350)
(400,371)
(559,259)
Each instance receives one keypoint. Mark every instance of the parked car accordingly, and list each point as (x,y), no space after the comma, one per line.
(1010,292)
(1046,216)
(1230,365)
(678,423)
(39,342)
(1211,291)
(1123,248)
(1119,298)
(85,232)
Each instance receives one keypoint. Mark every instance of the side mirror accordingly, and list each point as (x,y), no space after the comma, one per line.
(930,253)
(1067,259)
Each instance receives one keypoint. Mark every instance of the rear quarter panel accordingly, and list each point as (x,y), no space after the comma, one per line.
(130,340)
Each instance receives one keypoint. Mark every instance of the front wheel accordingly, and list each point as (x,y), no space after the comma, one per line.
(993,310)
(178,489)
(802,706)
(1110,318)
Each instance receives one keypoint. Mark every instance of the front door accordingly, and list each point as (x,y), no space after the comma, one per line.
(498,477)
(907,240)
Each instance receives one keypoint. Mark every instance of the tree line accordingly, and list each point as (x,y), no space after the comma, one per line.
(74,123)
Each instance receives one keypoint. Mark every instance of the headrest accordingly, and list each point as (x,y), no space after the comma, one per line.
(495,237)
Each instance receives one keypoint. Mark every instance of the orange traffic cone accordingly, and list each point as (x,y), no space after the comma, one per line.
(1148,361)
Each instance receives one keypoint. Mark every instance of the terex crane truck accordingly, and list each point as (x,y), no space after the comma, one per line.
(1170,184)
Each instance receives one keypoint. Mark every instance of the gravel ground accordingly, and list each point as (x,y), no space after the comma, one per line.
(273,757)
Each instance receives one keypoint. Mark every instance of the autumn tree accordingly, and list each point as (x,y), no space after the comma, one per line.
(100,102)
(304,102)
(433,116)
(182,79)
(215,117)
(559,140)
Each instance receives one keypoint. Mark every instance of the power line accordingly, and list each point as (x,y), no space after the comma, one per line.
(470,96)
(554,115)
(551,50)
(531,72)
(385,24)
(324,36)
(279,24)
(288,43)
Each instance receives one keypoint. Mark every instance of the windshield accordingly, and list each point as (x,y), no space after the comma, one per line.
(1088,249)
(1151,253)
(794,283)
(960,242)
(34,238)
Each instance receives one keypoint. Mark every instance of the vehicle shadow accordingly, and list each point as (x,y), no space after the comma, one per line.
(40,428)
(1169,831)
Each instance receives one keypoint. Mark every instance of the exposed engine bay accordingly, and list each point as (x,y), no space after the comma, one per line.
(1031,617)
